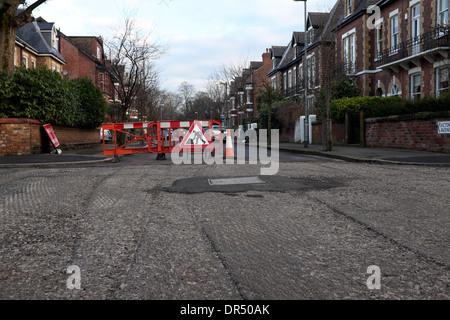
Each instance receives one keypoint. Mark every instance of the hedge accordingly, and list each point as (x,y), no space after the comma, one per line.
(383,107)
(46,96)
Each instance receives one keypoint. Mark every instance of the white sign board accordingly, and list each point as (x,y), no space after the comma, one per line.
(444,127)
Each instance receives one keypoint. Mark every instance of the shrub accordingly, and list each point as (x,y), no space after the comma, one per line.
(44,95)
(383,107)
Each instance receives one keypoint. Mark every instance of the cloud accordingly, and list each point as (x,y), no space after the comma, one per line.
(202,35)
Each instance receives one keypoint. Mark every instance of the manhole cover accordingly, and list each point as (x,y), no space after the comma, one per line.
(235,181)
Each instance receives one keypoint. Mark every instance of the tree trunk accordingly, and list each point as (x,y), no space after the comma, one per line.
(328,124)
(7,42)
(10,22)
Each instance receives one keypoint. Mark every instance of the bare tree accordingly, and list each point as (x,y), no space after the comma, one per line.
(169,105)
(331,72)
(187,92)
(223,79)
(11,19)
(133,59)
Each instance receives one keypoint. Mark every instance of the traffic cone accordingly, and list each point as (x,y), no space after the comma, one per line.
(229,151)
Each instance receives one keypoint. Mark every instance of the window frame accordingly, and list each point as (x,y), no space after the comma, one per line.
(349,45)
(440,90)
(441,11)
(395,34)
(413,94)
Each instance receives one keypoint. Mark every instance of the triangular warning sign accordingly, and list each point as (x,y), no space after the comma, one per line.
(196,138)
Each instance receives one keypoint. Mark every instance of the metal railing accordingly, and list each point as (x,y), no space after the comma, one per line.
(439,37)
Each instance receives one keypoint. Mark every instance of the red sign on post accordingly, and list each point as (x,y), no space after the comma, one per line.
(51,134)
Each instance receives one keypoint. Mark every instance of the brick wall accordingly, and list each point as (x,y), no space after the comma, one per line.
(19,136)
(338,132)
(26,136)
(419,132)
(71,137)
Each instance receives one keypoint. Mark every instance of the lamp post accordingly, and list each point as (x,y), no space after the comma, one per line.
(305,75)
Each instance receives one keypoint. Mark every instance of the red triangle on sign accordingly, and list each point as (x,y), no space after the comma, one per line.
(196,138)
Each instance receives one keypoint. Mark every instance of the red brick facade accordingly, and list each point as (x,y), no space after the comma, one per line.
(389,56)
(85,58)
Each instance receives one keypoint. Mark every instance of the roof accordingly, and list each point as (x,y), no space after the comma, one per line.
(360,8)
(318,19)
(335,15)
(30,34)
(298,38)
(277,51)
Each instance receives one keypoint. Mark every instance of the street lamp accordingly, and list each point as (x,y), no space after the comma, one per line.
(305,65)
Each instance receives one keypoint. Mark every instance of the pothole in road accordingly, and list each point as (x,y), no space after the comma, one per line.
(234,185)
(235,181)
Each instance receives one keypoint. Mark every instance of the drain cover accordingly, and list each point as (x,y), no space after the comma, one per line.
(234,181)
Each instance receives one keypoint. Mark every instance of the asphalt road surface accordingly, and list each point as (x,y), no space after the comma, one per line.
(146,229)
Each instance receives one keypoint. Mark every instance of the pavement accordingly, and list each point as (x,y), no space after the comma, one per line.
(352,153)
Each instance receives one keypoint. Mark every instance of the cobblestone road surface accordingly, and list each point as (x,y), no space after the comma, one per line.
(141,230)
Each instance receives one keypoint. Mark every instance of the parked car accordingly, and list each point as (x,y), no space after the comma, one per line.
(107,137)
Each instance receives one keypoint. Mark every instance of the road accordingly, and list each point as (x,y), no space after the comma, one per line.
(147,229)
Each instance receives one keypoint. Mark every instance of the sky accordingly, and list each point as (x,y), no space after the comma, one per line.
(200,36)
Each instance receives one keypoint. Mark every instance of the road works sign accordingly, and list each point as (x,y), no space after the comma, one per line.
(196,138)
(51,134)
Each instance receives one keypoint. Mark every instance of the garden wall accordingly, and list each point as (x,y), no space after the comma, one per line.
(27,136)
(418,131)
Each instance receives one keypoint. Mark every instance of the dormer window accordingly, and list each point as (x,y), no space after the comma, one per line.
(99,53)
(310,35)
(349,7)
(54,38)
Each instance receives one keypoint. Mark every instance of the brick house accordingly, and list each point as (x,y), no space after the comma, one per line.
(37,45)
(400,50)
(260,79)
(85,58)
(288,72)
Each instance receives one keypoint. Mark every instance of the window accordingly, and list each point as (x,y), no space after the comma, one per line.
(348,7)
(415,86)
(25,61)
(274,83)
(394,33)
(300,76)
(33,64)
(311,71)
(54,37)
(290,79)
(310,35)
(295,76)
(442,12)
(285,81)
(442,75)
(102,81)
(415,28)
(349,53)
(99,53)
(379,32)
(116,91)
(394,90)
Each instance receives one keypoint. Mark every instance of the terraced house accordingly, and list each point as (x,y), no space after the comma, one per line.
(389,47)
(396,47)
